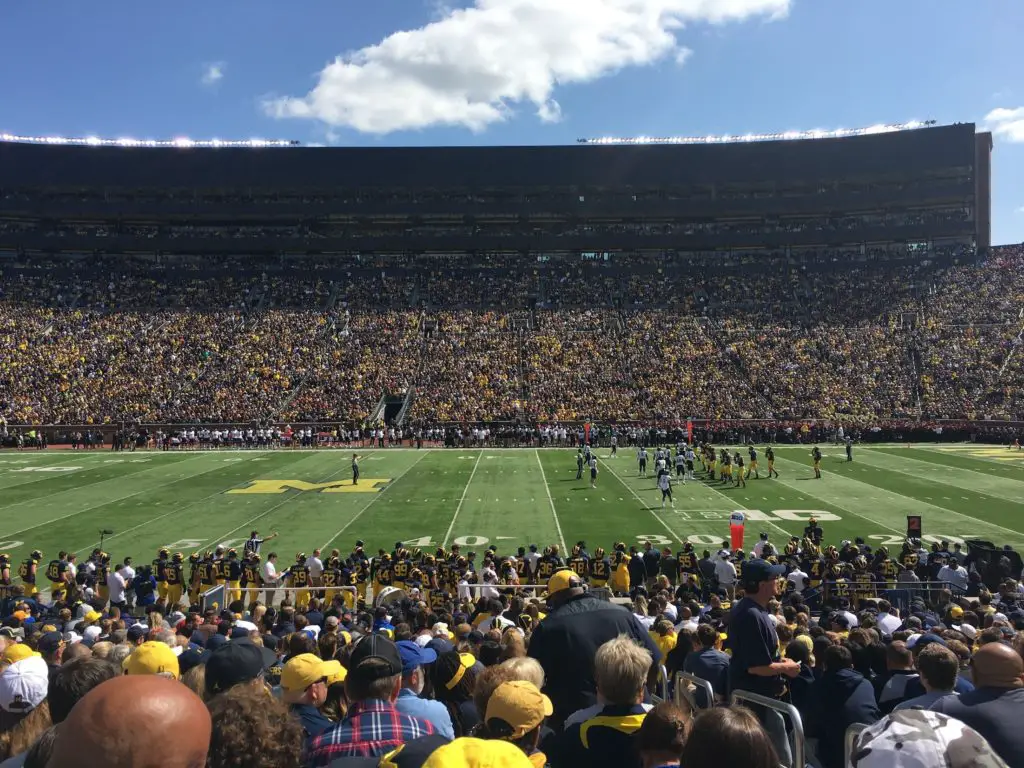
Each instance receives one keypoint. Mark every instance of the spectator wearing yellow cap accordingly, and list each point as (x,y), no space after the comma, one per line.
(606,738)
(516,710)
(304,683)
(566,642)
(478,753)
(152,658)
(18,652)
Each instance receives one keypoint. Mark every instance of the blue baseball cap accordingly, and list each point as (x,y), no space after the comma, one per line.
(761,570)
(413,656)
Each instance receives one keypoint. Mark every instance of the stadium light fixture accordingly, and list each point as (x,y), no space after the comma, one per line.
(752,137)
(181,142)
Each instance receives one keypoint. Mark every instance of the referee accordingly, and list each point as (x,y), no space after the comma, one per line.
(253,544)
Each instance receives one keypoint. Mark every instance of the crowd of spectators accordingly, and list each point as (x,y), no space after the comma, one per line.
(531,670)
(858,336)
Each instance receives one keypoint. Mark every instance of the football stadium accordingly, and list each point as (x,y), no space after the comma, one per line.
(292,397)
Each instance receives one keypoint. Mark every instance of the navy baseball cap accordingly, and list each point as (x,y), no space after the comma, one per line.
(233,663)
(192,657)
(376,648)
(761,570)
(414,656)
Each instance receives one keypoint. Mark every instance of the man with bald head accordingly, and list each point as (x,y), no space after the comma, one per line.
(135,721)
(995,709)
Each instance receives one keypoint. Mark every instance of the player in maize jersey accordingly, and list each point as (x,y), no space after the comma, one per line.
(741,480)
(57,573)
(159,572)
(769,455)
(600,568)
(28,571)
(193,578)
(579,564)
(231,568)
(816,459)
(298,577)
(752,466)
(174,575)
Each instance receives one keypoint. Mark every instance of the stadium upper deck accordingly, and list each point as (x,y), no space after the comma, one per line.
(920,186)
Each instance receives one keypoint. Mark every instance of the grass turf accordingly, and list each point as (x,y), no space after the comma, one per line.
(187,501)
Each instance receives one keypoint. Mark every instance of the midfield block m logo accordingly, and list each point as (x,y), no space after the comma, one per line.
(366,485)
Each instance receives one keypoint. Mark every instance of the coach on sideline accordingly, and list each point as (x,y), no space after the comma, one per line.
(566,642)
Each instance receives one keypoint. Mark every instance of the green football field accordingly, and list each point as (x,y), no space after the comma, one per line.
(188,501)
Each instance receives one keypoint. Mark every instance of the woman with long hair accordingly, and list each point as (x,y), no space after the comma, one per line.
(453,679)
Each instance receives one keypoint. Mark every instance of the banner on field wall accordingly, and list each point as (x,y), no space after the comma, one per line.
(586,432)
(913,526)
(689,431)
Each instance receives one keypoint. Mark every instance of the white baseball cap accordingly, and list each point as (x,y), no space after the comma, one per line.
(23,685)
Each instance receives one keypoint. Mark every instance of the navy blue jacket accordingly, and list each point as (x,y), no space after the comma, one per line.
(839,699)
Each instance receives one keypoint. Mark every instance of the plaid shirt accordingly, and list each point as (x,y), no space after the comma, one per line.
(372,728)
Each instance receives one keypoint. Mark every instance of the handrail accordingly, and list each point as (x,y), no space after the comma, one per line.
(663,682)
(851,737)
(683,692)
(786,710)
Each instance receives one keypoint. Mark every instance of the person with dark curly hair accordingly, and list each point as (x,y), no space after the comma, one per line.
(251,729)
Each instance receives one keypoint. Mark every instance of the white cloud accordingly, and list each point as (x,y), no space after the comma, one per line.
(1006,123)
(683,55)
(473,66)
(213,73)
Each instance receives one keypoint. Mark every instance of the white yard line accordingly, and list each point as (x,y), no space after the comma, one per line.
(375,497)
(103,503)
(813,495)
(448,533)
(551,501)
(938,468)
(155,519)
(643,503)
(77,488)
(731,500)
(285,500)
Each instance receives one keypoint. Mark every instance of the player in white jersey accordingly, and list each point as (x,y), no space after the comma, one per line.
(593,471)
(615,445)
(665,484)
(641,460)
(690,458)
(659,466)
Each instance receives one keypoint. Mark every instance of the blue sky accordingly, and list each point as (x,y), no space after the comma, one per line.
(515,71)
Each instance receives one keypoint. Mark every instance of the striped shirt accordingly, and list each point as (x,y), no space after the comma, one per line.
(253,545)
(371,729)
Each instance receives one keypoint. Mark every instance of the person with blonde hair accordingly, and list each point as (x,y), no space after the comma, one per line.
(603,736)
(525,668)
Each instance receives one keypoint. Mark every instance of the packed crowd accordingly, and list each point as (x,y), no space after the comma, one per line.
(519,659)
(402,228)
(812,335)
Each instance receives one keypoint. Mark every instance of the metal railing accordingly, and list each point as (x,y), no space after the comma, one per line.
(797,741)
(219,596)
(661,686)
(683,691)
